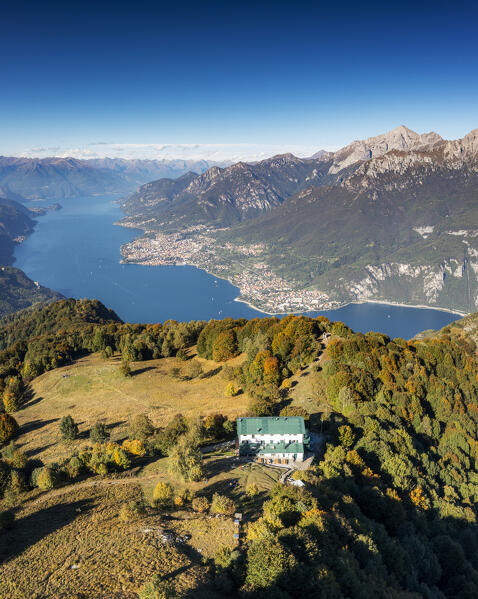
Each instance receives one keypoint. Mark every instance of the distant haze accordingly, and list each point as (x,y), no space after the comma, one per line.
(166,151)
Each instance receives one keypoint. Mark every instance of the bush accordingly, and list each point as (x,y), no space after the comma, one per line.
(99,433)
(222,505)
(182,355)
(73,467)
(132,510)
(134,447)
(295,411)
(200,504)
(252,490)
(68,428)
(125,368)
(157,588)
(46,479)
(4,477)
(232,390)
(8,427)
(163,494)
(140,427)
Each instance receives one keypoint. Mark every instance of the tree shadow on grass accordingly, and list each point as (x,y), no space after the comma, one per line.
(35,425)
(30,529)
(142,370)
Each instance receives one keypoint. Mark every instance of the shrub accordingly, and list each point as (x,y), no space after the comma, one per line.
(73,467)
(132,510)
(295,411)
(140,427)
(134,447)
(163,494)
(182,354)
(99,433)
(252,490)
(125,368)
(222,505)
(191,370)
(200,504)
(68,428)
(157,588)
(46,479)
(4,477)
(232,390)
(8,427)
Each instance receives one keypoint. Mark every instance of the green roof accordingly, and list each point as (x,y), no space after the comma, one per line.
(270,448)
(274,425)
(282,448)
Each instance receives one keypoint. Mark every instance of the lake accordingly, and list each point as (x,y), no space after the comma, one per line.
(76,251)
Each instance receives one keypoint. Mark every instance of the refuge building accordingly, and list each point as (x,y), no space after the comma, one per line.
(272,440)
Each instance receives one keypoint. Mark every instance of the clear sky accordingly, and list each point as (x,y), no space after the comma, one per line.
(279,73)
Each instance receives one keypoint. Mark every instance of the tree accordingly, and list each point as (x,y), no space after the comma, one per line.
(8,427)
(140,427)
(267,561)
(346,436)
(68,428)
(125,368)
(185,459)
(163,494)
(222,505)
(224,346)
(13,394)
(99,433)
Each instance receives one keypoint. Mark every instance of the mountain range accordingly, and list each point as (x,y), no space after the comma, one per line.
(56,178)
(389,218)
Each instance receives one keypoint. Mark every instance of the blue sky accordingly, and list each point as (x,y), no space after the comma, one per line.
(278,73)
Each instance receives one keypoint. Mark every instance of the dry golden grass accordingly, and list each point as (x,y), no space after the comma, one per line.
(75,545)
(93,389)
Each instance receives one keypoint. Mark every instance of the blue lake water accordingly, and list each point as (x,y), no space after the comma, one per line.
(76,251)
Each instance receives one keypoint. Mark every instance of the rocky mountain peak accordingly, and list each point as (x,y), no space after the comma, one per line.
(400,138)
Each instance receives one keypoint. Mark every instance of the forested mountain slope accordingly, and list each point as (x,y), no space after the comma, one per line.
(388,508)
(17,291)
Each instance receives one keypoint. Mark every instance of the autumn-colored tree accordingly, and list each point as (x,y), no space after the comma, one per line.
(346,436)
(222,505)
(224,346)
(13,394)
(271,371)
(163,494)
(8,427)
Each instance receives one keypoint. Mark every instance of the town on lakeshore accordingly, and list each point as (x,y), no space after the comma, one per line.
(196,246)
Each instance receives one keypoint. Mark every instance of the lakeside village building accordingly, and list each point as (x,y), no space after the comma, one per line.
(272,440)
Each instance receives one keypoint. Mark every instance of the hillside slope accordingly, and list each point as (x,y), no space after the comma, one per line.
(388,509)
